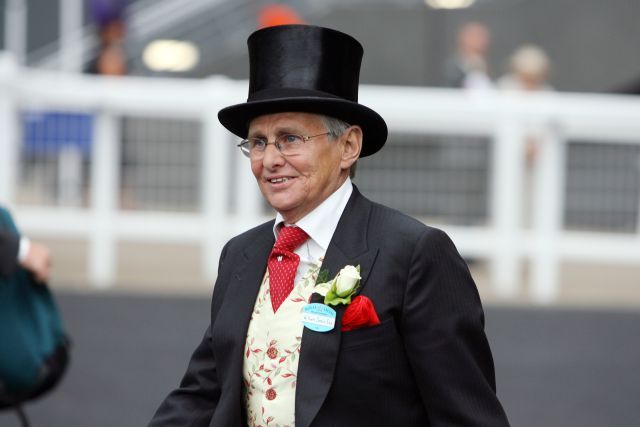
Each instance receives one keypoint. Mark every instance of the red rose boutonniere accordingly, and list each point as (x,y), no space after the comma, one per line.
(359,313)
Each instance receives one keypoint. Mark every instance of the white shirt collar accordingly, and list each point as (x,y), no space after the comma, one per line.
(321,223)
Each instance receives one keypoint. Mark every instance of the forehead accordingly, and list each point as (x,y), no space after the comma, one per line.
(290,120)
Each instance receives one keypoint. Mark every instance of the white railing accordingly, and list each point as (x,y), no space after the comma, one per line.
(505,117)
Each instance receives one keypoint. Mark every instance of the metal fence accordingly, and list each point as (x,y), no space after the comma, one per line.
(513,178)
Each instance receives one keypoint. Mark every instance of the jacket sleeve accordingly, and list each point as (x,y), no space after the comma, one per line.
(9,244)
(443,328)
(194,402)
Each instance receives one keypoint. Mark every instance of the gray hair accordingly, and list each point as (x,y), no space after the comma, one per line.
(336,128)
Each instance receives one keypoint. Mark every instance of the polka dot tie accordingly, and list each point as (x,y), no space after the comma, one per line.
(283,264)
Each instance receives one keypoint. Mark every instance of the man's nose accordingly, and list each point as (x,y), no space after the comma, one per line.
(272,156)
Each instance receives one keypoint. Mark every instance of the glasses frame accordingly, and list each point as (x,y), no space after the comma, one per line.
(247,152)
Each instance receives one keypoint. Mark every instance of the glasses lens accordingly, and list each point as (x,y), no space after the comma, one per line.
(245,148)
(290,144)
(254,147)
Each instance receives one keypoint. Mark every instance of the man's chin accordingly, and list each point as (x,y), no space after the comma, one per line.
(281,202)
(289,211)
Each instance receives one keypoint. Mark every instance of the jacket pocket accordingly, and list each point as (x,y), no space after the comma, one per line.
(385,331)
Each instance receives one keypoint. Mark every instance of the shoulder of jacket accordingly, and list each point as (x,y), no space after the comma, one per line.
(408,229)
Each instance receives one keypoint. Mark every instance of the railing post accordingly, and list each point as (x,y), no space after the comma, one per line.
(548,211)
(10,130)
(638,209)
(15,28)
(249,201)
(508,157)
(217,177)
(71,24)
(104,195)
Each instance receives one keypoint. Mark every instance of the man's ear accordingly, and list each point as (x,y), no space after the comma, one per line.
(352,147)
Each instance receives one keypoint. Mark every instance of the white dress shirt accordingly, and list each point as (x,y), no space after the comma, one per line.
(319,224)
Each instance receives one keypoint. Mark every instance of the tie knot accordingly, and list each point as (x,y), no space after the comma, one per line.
(290,238)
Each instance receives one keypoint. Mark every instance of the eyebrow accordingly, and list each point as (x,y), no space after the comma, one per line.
(285,130)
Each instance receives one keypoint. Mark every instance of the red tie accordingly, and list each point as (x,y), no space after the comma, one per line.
(283,264)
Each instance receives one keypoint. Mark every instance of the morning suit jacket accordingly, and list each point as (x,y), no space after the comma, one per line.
(427,364)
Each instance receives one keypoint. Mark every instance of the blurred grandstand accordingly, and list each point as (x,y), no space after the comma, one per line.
(137,186)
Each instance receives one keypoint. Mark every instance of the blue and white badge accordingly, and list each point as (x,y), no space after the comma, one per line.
(318,317)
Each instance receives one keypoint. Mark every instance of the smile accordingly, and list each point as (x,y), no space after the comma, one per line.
(278,180)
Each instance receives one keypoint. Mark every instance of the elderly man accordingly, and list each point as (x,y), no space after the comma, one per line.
(341,312)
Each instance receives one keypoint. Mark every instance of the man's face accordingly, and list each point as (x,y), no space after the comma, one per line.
(475,39)
(310,176)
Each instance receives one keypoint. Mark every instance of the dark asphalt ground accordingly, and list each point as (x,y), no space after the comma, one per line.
(555,367)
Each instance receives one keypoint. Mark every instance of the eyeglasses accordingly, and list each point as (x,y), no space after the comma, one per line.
(287,145)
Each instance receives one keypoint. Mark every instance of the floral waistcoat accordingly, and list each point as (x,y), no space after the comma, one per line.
(271,354)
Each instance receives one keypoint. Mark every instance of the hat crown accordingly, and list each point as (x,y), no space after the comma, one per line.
(305,69)
(303,59)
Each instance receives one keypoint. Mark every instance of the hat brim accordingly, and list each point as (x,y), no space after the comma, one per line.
(236,118)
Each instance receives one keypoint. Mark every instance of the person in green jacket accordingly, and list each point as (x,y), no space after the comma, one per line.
(19,250)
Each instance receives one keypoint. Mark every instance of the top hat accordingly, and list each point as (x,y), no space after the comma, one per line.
(303,68)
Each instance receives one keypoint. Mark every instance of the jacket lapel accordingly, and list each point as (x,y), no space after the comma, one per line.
(233,318)
(319,350)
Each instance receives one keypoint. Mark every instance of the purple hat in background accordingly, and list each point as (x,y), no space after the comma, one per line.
(104,12)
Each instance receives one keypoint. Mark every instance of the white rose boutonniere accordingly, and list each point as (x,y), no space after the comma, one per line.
(342,287)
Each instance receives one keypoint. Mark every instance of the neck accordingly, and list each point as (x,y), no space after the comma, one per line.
(293,217)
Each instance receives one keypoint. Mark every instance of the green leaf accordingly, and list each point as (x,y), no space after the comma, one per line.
(337,300)
(334,299)
(323,276)
(330,296)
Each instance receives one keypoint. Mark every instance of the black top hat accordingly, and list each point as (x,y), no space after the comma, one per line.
(303,68)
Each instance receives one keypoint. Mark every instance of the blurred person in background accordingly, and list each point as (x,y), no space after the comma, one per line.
(529,68)
(19,250)
(341,311)
(468,68)
(34,347)
(276,14)
(110,58)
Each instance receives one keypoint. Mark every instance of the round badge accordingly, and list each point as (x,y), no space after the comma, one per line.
(318,317)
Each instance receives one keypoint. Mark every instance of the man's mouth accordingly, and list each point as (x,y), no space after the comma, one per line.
(278,180)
